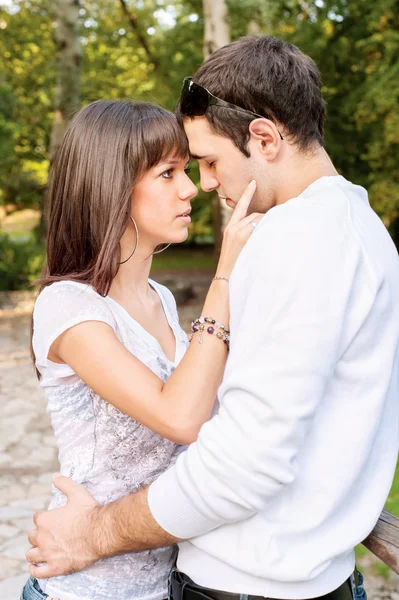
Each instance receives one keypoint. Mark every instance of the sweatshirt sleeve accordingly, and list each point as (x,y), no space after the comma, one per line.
(290,293)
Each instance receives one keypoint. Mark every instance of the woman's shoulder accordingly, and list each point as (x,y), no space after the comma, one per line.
(68,297)
(65,289)
(62,305)
(65,286)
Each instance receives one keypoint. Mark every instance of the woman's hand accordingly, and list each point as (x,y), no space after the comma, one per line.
(237,232)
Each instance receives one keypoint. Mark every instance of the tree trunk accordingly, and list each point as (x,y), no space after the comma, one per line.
(217,31)
(67,92)
(216,35)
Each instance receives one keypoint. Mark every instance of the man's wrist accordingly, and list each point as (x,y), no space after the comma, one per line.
(126,525)
(112,528)
(100,524)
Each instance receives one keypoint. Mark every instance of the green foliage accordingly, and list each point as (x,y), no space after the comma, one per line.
(21,263)
(7,126)
(27,74)
(182,257)
(355,44)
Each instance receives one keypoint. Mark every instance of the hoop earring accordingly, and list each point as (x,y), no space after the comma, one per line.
(162,249)
(136,244)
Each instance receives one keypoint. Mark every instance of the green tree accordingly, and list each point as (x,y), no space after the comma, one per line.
(26,50)
(355,44)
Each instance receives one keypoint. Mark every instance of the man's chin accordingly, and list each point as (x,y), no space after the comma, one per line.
(230,203)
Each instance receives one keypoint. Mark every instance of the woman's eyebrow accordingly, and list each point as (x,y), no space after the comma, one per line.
(171,161)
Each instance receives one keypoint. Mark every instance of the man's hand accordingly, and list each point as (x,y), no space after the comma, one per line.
(74,536)
(64,539)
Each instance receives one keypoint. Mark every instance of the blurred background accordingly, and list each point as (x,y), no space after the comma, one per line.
(57,55)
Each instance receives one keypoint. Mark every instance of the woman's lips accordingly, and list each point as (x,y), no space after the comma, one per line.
(184,218)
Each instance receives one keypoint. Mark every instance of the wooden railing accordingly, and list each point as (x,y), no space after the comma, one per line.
(383,541)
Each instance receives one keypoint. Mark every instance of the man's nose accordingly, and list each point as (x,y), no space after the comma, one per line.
(208,182)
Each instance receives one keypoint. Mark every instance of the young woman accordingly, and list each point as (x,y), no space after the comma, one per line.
(124,389)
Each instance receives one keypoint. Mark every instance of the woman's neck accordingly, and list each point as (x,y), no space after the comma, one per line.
(132,277)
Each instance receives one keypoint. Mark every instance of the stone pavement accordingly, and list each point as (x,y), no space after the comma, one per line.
(28,456)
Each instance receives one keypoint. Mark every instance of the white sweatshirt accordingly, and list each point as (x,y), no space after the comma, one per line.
(295,468)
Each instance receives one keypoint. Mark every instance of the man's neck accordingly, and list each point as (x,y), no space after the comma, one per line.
(304,170)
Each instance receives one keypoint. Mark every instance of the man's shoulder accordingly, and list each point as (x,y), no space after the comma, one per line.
(299,223)
(322,209)
(307,231)
(322,214)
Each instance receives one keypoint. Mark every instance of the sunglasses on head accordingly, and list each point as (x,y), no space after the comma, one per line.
(195,101)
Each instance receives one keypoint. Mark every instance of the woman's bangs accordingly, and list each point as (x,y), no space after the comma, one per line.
(166,139)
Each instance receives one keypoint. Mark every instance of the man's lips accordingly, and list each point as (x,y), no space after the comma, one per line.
(228,201)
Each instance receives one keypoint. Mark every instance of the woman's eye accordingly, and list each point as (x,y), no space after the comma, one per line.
(167,174)
(187,170)
(212,164)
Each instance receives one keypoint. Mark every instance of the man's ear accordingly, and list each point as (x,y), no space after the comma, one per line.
(265,134)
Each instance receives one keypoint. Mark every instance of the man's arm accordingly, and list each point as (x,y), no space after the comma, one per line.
(72,537)
(130,527)
(289,311)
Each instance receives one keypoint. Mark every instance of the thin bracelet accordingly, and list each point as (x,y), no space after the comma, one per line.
(225,279)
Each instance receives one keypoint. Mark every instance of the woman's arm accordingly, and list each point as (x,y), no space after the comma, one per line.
(175,409)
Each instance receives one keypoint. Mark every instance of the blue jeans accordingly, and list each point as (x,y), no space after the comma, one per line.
(32,591)
(359,593)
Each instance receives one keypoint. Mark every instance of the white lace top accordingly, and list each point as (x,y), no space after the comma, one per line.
(100,447)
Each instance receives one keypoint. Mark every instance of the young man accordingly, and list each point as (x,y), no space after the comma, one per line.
(295,468)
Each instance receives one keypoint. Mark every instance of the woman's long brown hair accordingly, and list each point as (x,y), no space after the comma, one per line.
(108,147)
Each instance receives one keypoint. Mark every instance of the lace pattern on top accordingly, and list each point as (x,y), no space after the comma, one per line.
(102,448)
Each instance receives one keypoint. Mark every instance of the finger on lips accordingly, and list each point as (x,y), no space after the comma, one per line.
(242,205)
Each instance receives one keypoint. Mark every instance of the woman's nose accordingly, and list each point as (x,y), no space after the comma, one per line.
(188,191)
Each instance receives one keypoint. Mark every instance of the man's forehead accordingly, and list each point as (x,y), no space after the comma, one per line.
(202,140)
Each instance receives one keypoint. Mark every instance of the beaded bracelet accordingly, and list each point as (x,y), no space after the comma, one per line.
(199,325)
(210,320)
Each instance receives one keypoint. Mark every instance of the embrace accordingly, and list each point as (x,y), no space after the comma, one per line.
(249,461)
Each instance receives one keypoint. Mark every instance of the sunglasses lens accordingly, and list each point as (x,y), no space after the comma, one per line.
(194,99)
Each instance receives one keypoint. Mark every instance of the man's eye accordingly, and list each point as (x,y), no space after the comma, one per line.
(187,170)
(167,174)
(212,164)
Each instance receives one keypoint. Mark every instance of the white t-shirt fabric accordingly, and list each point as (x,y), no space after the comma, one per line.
(295,468)
(100,447)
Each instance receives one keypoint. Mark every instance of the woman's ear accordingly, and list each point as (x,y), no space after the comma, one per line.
(265,134)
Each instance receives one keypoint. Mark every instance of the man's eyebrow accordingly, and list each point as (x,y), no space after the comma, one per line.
(198,157)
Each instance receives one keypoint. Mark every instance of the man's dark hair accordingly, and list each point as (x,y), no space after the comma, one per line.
(267,76)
